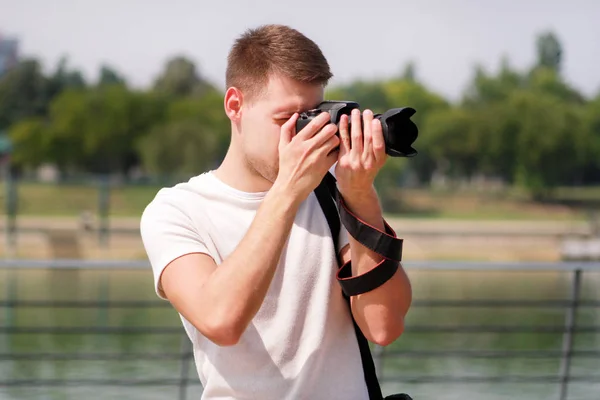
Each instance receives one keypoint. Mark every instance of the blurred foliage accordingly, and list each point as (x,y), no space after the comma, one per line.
(527,129)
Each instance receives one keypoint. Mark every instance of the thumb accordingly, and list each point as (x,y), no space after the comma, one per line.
(288,130)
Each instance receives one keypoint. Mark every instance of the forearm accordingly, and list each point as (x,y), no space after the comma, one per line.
(236,289)
(380,313)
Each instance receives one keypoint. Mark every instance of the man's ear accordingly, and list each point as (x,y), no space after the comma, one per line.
(233,103)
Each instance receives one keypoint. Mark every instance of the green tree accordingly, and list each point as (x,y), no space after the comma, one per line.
(590,172)
(549,81)
(180,78)
(410,72)
(454,143)
(503,106)
(368,94)
(30,141)
(550,141)
(64,78)
(91,130)
(109,76)
(487,89)
(23,93)
(405,93)
(193,137)
(497,126)
(549,51)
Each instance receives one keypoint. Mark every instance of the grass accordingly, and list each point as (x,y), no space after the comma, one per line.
(38,199)
(477,205)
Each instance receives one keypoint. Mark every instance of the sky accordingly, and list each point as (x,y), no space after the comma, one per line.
(369,40)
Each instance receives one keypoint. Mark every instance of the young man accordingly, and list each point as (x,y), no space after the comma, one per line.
(244,252)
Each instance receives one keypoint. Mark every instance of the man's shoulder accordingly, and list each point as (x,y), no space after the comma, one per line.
(184,191)
(177,199)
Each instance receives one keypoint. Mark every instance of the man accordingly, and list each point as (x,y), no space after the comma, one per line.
(244,252)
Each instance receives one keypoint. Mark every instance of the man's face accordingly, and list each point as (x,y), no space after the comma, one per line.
(262,118)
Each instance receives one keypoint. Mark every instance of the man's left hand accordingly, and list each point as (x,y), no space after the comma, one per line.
(362,154)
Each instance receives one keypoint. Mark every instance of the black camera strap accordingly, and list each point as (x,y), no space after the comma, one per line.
(384,243)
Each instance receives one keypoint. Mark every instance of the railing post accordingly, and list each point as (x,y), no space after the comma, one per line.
(103,210)
(186,347)
(11,204)
(103,298)
(11,297)
(567,345)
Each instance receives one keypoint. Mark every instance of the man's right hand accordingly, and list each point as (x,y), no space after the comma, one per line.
(306,156)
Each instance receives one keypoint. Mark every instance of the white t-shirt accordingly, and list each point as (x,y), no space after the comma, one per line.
(301,344)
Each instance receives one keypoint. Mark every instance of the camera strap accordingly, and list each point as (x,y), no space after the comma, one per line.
(384,243)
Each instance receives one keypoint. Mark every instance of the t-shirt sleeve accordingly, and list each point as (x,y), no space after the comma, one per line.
(167,233)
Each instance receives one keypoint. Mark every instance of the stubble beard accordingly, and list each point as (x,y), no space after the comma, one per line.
(263,169)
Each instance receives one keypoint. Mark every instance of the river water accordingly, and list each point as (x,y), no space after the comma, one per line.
(400,373)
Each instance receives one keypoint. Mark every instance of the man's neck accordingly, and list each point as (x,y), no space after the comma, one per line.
(235,172)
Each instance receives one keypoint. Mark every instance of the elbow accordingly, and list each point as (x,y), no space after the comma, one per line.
(389,334)
(222,337)
(222,332)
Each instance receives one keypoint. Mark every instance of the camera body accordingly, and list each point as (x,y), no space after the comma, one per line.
(399,132)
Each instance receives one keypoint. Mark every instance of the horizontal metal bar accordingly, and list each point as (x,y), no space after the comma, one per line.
(398,379)
(93,356)
(73,264)
(504,266)
(504,354)
(580,233)
(415,328)
(84,304)
(76,330)
(505,303)
(425,265)
(93,382)
(488,379)
(497,329)
(417,303)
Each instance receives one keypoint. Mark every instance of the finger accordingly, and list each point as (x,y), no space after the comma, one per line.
(356,139)
(367,134)
(344,135)
(328,151)
(288,130)
(314,126)
(378,141)
(332,148)
(323,135)
(332,144)
(331,159)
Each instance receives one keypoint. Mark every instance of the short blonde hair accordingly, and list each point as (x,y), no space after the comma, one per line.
(274,49)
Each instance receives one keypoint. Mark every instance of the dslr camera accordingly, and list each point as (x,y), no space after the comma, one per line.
(399,132)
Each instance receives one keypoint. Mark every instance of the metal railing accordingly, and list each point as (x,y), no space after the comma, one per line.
(571,305)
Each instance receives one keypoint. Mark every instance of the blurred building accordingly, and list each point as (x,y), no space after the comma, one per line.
(9,52)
